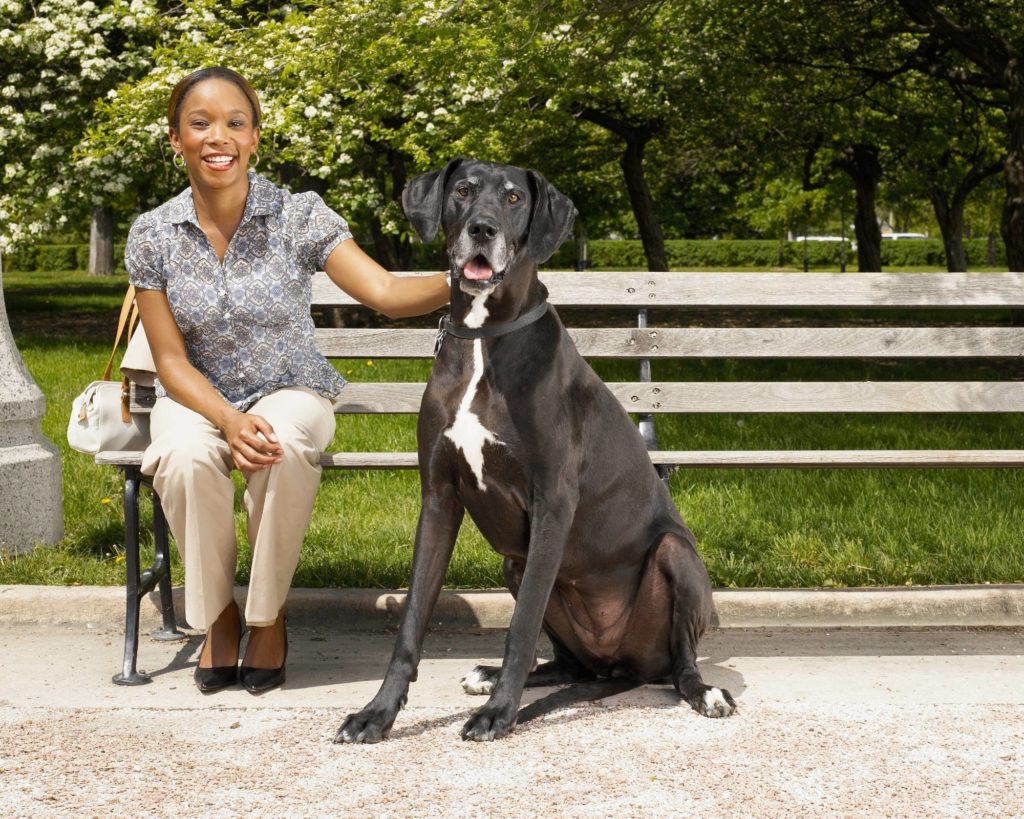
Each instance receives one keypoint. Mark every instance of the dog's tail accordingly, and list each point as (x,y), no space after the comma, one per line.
(578,692)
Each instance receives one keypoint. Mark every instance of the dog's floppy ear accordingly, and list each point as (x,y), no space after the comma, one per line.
(423,199)
(551,219)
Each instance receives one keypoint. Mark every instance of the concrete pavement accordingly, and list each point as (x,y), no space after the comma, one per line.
(909,721)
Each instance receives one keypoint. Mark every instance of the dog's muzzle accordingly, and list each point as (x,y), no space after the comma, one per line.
(478,270)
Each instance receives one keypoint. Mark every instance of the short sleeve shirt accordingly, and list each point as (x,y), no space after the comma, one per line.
(246,322)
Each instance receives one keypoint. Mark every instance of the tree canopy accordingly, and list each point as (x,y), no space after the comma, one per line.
(659,118)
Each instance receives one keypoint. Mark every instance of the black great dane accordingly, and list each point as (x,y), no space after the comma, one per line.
(516,428)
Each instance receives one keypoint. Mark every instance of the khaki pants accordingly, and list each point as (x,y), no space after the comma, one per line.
(191,467)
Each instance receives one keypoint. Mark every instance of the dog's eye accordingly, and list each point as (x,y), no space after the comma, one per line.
(462,191)
(513,197)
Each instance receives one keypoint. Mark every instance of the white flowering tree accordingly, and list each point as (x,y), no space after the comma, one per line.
(340,106)
(357,95)
(58,58)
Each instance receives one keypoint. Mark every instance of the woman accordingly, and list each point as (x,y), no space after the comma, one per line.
(223,278)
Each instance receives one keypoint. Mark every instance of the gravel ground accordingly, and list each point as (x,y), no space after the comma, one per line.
(594,760)
(860,723)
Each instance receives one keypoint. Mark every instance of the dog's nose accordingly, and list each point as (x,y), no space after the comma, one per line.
(483,228)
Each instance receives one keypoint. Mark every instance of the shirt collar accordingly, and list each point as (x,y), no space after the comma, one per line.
(264,199)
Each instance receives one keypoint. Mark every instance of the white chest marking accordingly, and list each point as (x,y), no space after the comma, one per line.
(466,432)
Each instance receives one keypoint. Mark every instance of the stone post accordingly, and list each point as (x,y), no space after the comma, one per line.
(31,503)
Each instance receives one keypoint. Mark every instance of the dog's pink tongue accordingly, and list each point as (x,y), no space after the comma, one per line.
(477,271)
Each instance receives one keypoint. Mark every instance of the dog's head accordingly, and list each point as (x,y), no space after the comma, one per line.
(493,216)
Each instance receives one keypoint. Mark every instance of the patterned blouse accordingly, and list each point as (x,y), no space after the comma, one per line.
(246,322)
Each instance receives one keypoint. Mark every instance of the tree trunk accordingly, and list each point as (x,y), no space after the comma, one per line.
(101,242)
(949,212)
(385,248)
(643,205)
(1013,209)
(951,225)
(864,168)
(636,138)
(388,171)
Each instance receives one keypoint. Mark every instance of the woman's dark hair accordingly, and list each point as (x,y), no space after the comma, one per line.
(216,72)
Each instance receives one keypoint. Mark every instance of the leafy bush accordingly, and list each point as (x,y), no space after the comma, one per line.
(628,254)
(57,257)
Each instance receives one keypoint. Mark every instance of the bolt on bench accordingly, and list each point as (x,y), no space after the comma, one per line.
(750,298)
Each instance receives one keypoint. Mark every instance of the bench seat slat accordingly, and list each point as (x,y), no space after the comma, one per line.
(714,342)
(817,290)
(888,459)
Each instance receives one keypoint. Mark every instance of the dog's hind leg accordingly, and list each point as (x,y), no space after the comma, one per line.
(562,670)
(690,611)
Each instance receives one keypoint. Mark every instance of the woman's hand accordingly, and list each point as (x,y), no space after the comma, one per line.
(252,441)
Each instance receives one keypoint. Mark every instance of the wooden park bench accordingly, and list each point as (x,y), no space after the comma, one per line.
(705,316)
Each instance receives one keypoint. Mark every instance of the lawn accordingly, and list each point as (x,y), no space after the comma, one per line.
(754,527)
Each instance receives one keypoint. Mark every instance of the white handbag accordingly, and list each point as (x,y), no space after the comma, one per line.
(100,417)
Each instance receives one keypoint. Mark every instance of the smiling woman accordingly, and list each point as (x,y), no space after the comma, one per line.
(223,273)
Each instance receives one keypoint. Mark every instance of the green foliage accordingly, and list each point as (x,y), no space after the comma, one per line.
(746,135)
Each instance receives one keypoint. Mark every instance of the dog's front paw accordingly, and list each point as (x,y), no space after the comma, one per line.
(481,679)
(370,725)
(490,722)
(712,702)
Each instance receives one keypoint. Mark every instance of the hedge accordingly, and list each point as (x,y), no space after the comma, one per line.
(628,254)
(56,257)
(622,254)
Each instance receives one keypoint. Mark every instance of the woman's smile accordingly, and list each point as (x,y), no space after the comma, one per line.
(220,162)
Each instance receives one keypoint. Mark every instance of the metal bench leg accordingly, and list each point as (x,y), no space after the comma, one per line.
(646,421)
(139,583)
(162,570)
(129,675)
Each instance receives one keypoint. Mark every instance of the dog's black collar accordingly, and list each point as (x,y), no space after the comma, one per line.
(488,330)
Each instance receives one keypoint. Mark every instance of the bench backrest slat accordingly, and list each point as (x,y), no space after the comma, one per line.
(818,290)
(701,342)
(742,397)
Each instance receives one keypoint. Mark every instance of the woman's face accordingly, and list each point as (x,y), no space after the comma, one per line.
(216,134)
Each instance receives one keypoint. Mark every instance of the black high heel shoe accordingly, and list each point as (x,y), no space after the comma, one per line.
(258,680)
(216,677)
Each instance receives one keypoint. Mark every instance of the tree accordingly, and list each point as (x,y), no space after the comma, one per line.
(953,146)
(978,48)
(628,68)
(59,58)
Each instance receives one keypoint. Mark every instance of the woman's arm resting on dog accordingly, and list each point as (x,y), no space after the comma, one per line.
(252,440)
(370,284)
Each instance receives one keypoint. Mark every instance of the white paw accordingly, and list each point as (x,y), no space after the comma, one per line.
(717,704)
(478,681)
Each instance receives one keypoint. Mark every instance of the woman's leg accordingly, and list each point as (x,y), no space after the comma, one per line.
(191,467)
(279,501)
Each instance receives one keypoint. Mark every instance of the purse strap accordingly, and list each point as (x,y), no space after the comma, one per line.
(126,320)
(128,308)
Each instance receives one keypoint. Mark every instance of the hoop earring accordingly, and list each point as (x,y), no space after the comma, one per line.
(256,160)
(175,163)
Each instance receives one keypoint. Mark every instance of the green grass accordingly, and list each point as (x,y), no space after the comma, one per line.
(755,527)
